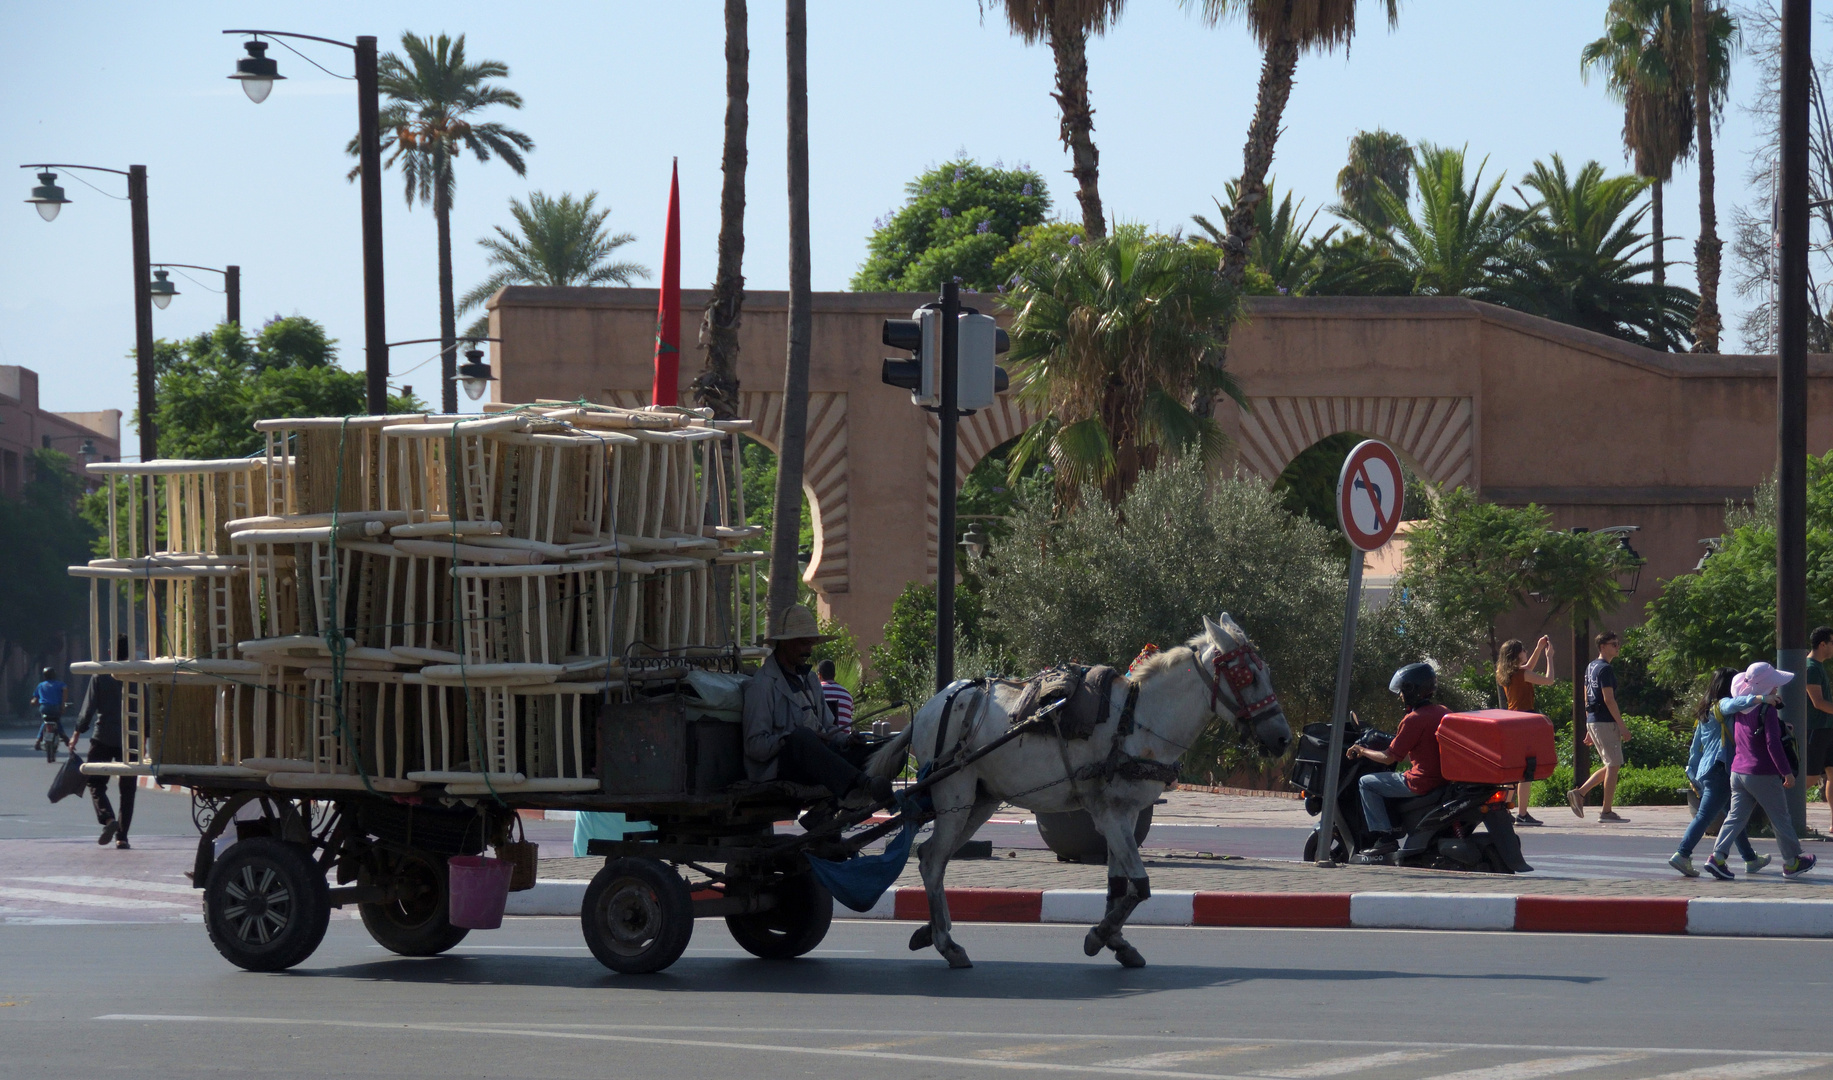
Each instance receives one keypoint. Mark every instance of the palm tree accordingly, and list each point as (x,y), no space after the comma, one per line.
(1580,258)
(1066,25)
(557,243)
(716,387)
(1282,247)
(431,96)
(1112,341)
(1375,157)
(786,523)
(1284,28)
(1713,33)
(1459,241)
(1646,60)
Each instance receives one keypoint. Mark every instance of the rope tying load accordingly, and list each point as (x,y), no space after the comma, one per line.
(397,604)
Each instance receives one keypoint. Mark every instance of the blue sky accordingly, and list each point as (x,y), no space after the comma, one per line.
(615,90)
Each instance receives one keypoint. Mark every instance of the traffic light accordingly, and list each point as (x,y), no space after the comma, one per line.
(979,340)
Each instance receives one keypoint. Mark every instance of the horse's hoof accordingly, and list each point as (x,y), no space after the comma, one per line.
(1129,957)
(1093,943)
(924,937)
(957,957)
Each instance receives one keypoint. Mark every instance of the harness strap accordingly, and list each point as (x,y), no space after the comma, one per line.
(948,713)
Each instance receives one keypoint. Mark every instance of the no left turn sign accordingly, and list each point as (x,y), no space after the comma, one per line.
(1369,495)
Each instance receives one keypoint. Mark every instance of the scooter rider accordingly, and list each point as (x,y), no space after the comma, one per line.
(1417,740)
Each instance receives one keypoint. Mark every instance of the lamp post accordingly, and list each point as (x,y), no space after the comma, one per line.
(1792,384)
(163,289)
(48,198)
(257,74)
(474,374)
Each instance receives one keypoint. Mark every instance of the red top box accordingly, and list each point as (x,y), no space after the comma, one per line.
(1495,746)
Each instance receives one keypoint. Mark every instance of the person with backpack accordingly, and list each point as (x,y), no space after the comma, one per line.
(1760,770)
(49,697)
(1709,771)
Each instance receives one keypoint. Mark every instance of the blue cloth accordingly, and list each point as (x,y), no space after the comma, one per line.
(1714,796)
(599,825)
(860,881)
(1377,789)
(1710,746)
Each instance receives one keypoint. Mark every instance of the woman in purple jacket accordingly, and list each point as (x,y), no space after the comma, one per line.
(1760,771)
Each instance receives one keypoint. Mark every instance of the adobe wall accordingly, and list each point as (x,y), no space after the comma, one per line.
(1514,407)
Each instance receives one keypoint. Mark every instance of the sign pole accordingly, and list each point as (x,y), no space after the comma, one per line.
(1339,713)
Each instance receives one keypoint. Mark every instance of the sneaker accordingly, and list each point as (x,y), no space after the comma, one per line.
(1612,817)
(1799,866)
(1717,868)
(108,833)
(1751,866)
(1683,864)
(1576,802)
(1525,818)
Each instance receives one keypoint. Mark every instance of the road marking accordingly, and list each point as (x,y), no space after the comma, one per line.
(1744,1070)
(46,896)
(83,881)
(1360,1063)
(1023,1050)
(1179,1057)
(888,1044)
(1529,1070)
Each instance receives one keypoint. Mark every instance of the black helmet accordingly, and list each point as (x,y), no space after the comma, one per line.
(1414,683)
(47,674)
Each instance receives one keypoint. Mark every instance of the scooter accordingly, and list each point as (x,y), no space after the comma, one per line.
(1440,827)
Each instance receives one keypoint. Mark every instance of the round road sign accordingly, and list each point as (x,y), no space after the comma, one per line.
(1369,495)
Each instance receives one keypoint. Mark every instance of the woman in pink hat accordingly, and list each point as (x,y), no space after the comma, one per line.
(1760,771)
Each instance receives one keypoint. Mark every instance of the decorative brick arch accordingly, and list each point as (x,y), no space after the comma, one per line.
(976,437)
(1435,435)
(824,471)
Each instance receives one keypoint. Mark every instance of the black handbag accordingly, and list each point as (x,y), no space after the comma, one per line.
(69,779)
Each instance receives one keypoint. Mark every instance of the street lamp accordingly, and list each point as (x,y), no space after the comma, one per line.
(232,287)
(1629,571)
(257,74)
(474,374)
(974,541)
(87,451)
(49,198)
(162,289)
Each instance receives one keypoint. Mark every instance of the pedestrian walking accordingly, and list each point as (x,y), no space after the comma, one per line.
(1760,771)
(839,699)
(1820,712)
(1709,771)
(100,718)
(1516,675)
(48,696)
(1604,729)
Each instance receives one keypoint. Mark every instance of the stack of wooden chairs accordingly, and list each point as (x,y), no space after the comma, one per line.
(400,603)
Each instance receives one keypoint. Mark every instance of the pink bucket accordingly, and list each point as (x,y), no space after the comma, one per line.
(479,888)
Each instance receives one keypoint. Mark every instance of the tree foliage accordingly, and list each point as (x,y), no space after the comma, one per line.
(1378,160)
(42,534)
(957,219)
(557,243)
(212,388)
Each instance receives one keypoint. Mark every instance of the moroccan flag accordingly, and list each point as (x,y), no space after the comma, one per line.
(668,311)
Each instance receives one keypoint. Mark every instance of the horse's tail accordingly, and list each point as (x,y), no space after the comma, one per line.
(889,759)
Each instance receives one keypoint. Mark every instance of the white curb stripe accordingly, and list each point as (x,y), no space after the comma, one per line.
(1432,911)
(548,897)
(1087,906)
(1760,918)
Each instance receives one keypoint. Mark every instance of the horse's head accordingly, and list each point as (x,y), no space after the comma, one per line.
(1243,683)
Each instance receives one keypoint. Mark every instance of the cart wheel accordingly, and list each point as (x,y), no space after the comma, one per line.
(416,925)
(266,904)
(637,916)
(1339,847)
(804,910)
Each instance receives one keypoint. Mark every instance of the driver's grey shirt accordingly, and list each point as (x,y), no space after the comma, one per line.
(775,701)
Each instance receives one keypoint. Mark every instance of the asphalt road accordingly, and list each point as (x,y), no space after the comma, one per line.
(528,1001)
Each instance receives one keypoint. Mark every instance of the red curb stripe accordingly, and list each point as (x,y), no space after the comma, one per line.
(1270,909)
(975,905)
(1593,915)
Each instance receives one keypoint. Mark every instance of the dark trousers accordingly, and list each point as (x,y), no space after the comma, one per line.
(98,790)
(804,758)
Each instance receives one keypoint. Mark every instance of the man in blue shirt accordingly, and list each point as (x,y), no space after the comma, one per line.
(49,697)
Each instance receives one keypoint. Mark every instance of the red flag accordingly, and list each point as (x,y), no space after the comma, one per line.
(668,311)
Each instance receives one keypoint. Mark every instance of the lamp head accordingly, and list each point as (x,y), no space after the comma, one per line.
(48,197)
(162,289)
(474,375)
(256,72)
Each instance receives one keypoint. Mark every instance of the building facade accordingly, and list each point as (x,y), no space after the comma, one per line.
(25,427)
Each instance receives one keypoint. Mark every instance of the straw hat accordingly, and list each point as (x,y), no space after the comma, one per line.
(796,622)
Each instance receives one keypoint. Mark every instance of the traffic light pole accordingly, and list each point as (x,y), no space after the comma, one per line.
(1791,388)
(945,486)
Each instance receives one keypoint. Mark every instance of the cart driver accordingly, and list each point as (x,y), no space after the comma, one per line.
(1416,740)
(787,736)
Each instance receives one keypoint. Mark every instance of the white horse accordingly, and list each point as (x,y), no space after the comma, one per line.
(1153,717)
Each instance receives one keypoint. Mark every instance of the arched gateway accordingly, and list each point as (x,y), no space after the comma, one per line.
(1515,408)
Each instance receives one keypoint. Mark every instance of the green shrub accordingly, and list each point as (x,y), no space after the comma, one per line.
(1661,786)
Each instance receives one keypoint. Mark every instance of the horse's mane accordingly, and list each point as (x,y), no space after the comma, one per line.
(1163,661)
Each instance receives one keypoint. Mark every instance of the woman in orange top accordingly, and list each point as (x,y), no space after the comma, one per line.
(1517,678)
